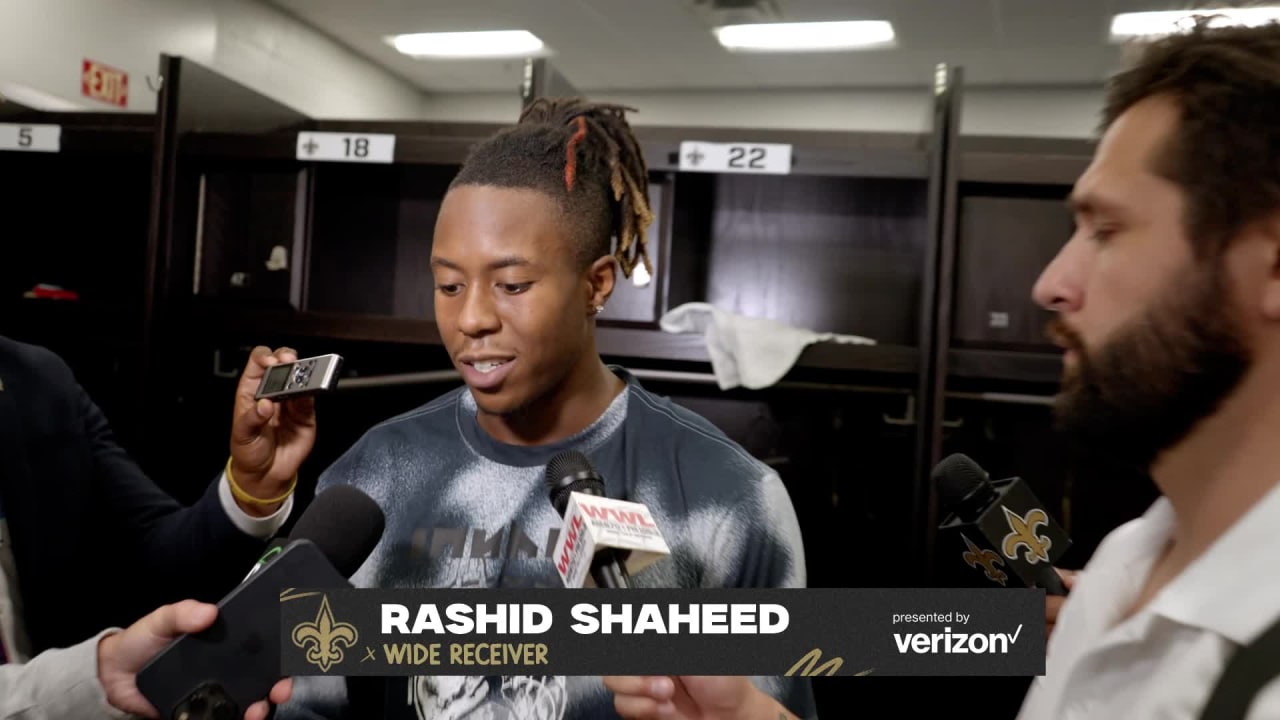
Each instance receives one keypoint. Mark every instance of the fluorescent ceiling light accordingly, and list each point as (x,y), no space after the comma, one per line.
(1152,24)
(806,37)
(481,44)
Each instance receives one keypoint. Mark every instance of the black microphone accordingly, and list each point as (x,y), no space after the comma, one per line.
(220,671)
(999,529)
(345,524)
(570,472)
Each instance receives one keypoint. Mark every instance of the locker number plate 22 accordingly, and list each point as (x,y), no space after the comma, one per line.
(346,147)
(772,159)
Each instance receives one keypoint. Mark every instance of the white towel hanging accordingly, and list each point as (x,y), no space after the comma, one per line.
(747,351)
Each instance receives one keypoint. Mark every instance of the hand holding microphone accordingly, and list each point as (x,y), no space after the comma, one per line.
(608,540)
(1054,603)
(1001,532)
(234,662)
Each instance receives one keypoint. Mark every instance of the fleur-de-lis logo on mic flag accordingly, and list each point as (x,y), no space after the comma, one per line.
(1023,532)
(987,559)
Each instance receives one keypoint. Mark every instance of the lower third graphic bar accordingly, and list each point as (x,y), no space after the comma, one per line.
(807,632)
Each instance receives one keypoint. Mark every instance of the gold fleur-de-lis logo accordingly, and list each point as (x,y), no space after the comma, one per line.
(988,559)
(324,638)
(1023,532)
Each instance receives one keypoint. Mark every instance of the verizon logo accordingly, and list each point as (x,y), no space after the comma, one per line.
(949,643)
(571,541)
(623,516)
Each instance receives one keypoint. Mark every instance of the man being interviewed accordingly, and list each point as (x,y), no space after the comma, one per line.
(522,264)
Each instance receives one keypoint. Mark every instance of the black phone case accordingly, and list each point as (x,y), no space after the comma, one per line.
(234,663)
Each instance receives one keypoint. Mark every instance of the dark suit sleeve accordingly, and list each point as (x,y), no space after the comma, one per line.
(189,551)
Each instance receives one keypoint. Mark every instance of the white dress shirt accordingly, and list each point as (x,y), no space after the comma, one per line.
(58,684)
(11,628)
(1163,662)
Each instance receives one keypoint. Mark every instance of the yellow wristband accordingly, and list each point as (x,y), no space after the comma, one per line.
(243,496)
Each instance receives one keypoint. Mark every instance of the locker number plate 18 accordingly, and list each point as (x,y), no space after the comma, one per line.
(772,159)
(346,147)
(30,138)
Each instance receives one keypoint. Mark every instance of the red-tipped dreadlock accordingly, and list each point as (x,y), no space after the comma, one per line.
(584,155)
(571,152)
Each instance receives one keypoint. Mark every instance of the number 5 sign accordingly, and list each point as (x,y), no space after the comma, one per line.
(30,138)
(735,157)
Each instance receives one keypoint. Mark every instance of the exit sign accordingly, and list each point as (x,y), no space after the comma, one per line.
(104,83)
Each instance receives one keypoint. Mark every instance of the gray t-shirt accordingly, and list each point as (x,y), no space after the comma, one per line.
(464,510)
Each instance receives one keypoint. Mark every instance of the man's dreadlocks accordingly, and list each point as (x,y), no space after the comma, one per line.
(585,156)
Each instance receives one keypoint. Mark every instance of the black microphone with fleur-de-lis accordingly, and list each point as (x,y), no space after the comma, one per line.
(999,529)
(222,670)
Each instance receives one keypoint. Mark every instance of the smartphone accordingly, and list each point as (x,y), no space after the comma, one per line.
(222,670)
(300,377)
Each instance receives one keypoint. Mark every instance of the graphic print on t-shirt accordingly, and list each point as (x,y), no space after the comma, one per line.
(469,557)
(488,698)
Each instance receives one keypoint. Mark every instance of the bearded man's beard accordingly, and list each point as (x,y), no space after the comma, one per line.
(1147,387)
